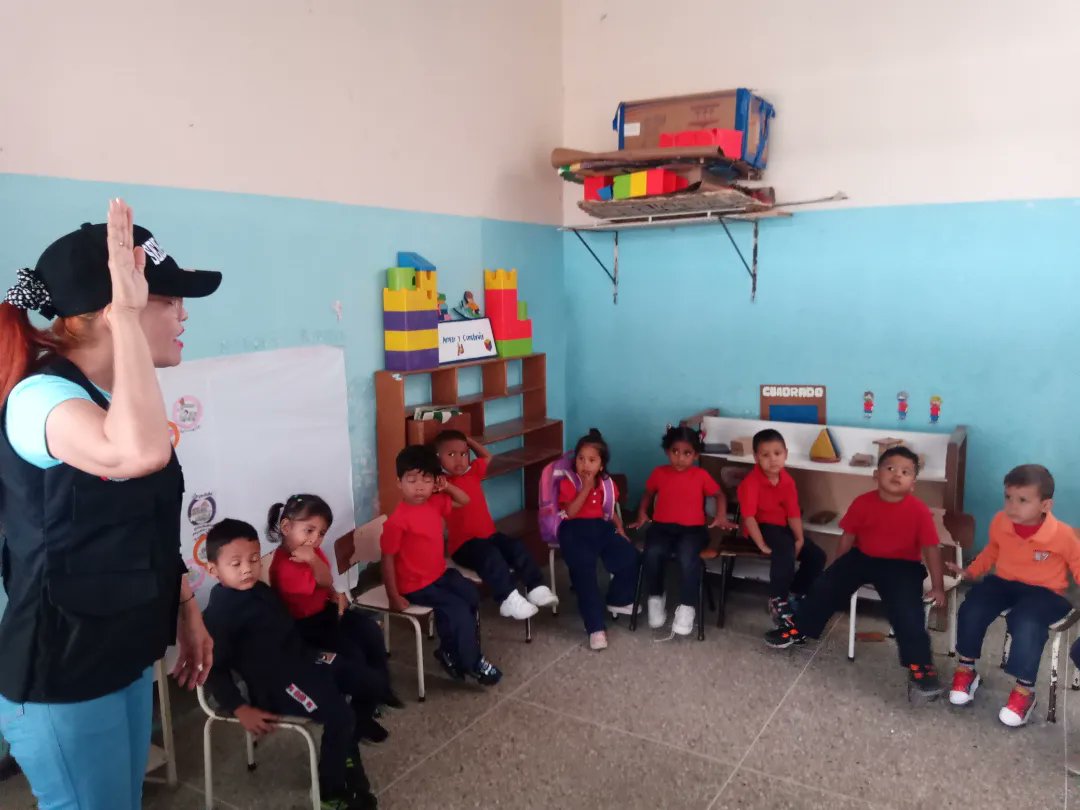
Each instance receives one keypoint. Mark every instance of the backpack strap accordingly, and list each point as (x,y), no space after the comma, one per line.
(609,498)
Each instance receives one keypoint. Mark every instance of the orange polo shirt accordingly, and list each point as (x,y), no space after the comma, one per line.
(1041,559)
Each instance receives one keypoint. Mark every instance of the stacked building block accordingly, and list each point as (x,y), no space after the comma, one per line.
(509,317)
(411,314)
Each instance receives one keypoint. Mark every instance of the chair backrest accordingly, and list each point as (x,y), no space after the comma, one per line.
(361,545)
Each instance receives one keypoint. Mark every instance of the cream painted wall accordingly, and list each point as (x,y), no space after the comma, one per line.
(916,102)
(440,107)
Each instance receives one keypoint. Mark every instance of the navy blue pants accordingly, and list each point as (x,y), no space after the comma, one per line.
(496,559)
(783,579)
(687,543)
(583,541)
(358,636)
(1032,610)
(899,583)
(455,601)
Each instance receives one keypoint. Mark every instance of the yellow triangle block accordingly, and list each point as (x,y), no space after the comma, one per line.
(824,449)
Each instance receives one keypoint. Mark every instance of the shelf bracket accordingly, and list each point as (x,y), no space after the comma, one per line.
(751,269)
(612,274)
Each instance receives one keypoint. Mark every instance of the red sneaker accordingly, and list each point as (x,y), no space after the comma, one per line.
(964,683)
(1017,710)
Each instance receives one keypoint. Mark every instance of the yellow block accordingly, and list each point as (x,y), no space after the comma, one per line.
(823,448)
(639,184)
(500,279)
(411,341)
(409,300)
(426,282)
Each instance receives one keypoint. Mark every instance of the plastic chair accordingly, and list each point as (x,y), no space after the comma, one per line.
(726,547)
(362,545)
(166,755)
(298,724)
(1058,630)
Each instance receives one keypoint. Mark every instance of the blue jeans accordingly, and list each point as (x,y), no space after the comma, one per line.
(84,756)
(494,557)
(686,543)
(455,601)
(583,541)
(1031,612)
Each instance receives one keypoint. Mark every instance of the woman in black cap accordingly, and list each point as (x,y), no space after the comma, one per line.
(90,498)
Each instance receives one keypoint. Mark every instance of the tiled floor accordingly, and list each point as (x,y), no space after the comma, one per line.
(665,725)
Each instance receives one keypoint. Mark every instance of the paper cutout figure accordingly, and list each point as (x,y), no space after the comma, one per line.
(867,404)
(935,409)
(902,405)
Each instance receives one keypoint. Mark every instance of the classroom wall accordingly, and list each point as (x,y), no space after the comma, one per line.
(296,147)
(950,272)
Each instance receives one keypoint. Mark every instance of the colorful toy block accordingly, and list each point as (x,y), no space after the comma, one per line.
(514,348)
(593,185)
(414,260)
(660,181)
(621,187)
(412,341)
(523,311)
(412,361)
(509,322)
(410,321)
(730,141)
(411,314)
(401,278)
(639,184)
(606,193)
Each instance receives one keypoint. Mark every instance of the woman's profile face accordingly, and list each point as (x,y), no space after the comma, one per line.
(162,322)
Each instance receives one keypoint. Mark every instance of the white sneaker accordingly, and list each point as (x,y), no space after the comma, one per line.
(683,623)
(515,607)
(542,597)
(598,640)
(624,610)
(657,614)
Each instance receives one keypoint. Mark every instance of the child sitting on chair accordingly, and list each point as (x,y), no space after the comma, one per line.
(1030,551)
(300,573)
(255,637)
(679,488)
(473,541)
(769,506)
(414,564)
(887,534)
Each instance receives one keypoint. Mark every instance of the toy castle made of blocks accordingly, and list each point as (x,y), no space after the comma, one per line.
(509,317)
(411,314)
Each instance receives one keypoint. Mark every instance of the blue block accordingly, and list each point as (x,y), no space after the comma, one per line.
(605,192)
(414,260)
(412,361)
(410,321)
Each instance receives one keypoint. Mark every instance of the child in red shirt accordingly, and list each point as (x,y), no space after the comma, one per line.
(679,489)
(769,507)
(300,574)
(585,536)
(414,564)
(1031,553)
(473,541)
(887,535)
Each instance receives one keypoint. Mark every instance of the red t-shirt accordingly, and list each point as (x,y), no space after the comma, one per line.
(680,496)
(766,502)
(894,531)
(295,583)
(414,534)
(594,504)
(474,519)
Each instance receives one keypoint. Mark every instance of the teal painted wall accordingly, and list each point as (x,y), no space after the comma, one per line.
(287,261)
(974,302)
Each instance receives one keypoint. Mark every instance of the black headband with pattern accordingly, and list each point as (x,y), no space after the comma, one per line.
(30,292)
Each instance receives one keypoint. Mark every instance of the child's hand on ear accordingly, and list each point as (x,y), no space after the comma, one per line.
(304,554)
(342,603)
(440,483)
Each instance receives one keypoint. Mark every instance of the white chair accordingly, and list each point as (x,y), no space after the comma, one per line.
(362,545)
(298,724)
(475,579)
(1058,630)
(164,756)
(962,527)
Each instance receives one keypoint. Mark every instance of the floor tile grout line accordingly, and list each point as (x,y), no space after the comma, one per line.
(820,646)
(815,788)
(505,699)
(201,792)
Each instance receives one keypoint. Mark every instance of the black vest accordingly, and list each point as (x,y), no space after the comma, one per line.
(92,571)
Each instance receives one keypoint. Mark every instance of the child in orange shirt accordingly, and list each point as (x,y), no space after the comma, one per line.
(1030,552)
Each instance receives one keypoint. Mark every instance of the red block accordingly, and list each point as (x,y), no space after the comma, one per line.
(729,140)
(684,138)
(593,186)
(500,304)
(681,182)
(659,181)
(512,330)
(667,139)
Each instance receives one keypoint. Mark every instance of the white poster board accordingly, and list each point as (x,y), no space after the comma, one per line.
(250,431)
(465,340)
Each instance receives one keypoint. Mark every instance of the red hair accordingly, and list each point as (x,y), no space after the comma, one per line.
(24,348)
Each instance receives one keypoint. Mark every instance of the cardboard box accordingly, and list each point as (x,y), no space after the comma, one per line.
(425,432)
(641,123)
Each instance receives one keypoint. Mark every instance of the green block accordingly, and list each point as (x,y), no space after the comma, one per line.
(514,348)
(523,311)
(401,278)
(622,187)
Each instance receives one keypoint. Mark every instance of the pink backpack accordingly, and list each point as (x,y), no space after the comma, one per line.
(551,516)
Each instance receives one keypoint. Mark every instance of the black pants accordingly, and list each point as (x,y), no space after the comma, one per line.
(783,579)
(319,693)
(496,559)
(686,542)
(358,636)
(455,601)
(899,583)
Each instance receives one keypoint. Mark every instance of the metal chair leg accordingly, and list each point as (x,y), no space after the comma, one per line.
(637,596)
(419,633)
(701,608)
(1055,660)
(851,627)
(249,745)
(551,572)
(721,607)
(1005,647)
(208,765)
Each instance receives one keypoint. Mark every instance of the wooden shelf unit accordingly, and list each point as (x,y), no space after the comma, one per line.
(541,437)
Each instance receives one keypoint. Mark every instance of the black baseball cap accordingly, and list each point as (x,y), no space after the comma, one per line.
(75,269)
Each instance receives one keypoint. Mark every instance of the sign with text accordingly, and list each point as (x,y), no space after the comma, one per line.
(793,403)
(465,340)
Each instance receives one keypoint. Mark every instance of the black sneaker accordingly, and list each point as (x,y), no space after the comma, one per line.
(448,664)
(785,636)
(486,672)
(392,701)
(923,681)
(371,731)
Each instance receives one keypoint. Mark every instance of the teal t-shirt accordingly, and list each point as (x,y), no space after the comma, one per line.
(28,407)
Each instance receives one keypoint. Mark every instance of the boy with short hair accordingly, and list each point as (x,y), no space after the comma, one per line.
(255,637)
(473,541)
(414,564)
(1030,551)
(769,509)
(888,534)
